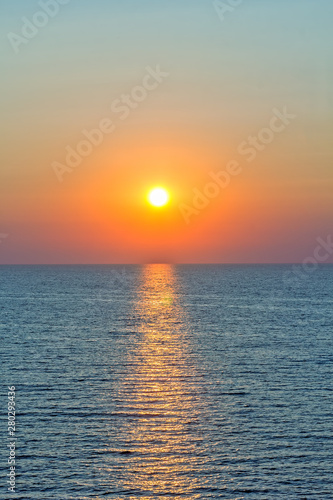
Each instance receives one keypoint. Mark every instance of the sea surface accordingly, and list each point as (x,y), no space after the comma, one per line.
(171,382)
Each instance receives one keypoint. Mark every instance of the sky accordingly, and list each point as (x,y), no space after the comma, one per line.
(228,105)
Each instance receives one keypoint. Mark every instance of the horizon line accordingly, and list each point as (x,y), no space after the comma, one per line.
(168,263)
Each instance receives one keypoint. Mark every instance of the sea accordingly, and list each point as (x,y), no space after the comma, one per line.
(168,381)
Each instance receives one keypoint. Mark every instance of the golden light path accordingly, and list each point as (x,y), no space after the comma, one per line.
(160,394)
(158,197)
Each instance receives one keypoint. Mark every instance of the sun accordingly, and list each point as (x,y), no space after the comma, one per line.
(158,197)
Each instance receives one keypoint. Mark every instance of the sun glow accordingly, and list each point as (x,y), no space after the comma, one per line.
(158,197)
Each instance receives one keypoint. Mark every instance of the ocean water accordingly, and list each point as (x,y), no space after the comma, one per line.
(160,381)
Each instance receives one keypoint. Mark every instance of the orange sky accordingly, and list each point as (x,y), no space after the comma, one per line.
(201,93)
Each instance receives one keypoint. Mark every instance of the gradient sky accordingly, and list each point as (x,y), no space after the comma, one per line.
(225,78)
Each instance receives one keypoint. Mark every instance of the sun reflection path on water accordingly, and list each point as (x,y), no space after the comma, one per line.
(160,395)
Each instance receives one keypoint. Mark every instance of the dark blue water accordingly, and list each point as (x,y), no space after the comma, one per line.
(187,382)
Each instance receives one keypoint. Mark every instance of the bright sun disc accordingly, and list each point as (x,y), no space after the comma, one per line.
(158,197)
